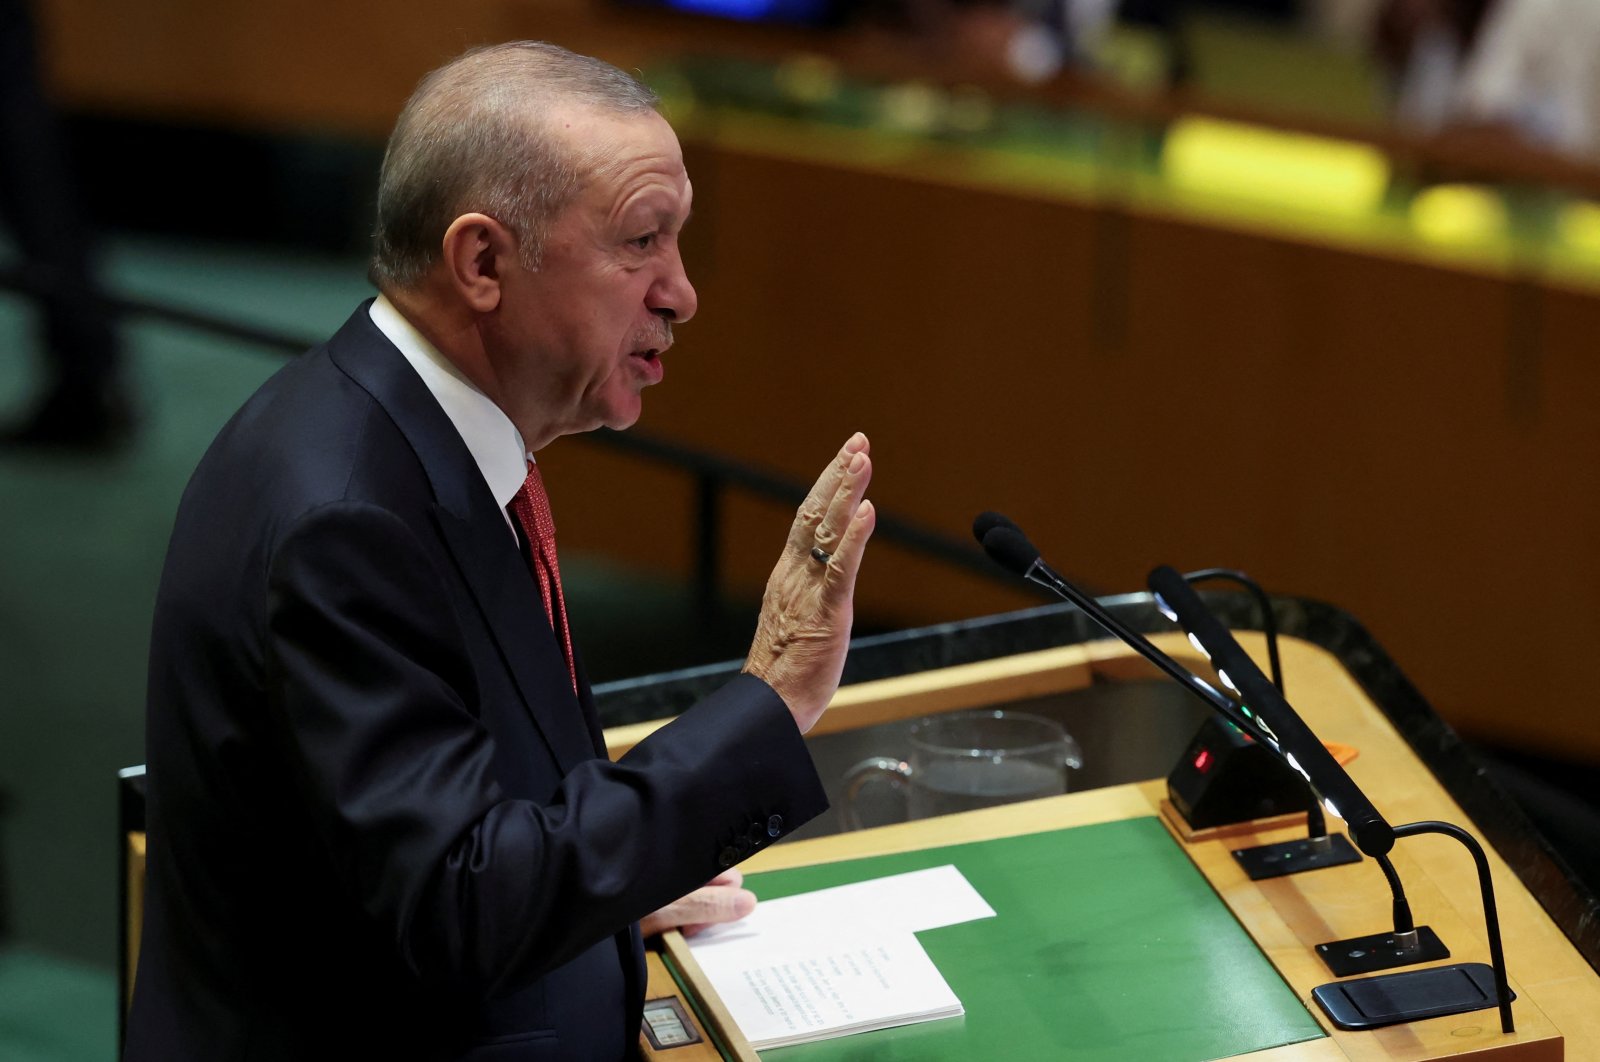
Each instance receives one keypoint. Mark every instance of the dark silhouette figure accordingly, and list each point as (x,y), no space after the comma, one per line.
(85,403)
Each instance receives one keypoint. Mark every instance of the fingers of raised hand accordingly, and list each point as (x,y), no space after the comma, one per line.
(830,530)
(835,478)
(846,559)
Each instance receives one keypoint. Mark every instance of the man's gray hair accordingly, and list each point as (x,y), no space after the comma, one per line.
(475,136)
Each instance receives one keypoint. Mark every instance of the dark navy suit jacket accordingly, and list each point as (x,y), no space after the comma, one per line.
(381,824)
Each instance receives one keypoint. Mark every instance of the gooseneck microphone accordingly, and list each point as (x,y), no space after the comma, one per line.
(1005,543)
(1306,754)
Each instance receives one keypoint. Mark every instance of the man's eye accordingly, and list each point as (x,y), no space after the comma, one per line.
(643,242)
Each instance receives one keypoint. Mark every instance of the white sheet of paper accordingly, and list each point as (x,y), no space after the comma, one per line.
(910,902)
(839,960)
(850,980)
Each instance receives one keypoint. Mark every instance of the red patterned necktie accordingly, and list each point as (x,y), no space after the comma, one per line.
(532,509)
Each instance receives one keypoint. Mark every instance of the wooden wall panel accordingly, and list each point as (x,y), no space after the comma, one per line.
(1406,441)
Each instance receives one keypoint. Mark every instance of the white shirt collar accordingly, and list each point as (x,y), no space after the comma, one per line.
(494,442)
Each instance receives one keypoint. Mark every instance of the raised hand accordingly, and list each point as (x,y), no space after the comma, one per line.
(804,629)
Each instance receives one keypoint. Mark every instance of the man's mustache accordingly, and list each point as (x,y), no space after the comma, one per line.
(658,336)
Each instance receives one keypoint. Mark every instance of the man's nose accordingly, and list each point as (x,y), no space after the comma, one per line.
(672,296)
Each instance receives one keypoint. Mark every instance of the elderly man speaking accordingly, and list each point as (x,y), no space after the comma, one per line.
(381,819)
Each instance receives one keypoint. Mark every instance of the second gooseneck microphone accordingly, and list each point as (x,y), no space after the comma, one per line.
(1005,543)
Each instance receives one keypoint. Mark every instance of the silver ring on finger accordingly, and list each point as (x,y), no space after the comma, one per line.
(820,555)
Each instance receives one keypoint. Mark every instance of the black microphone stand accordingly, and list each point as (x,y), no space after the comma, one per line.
(1426,993)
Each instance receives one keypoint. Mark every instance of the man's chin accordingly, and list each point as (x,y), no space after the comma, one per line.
(623,419)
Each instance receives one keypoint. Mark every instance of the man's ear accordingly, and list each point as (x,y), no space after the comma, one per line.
(476,247)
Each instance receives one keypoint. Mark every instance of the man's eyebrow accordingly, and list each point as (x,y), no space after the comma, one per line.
(665,217)
(659,214)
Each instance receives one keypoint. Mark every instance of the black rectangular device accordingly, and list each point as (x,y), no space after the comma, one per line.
(1373,1002)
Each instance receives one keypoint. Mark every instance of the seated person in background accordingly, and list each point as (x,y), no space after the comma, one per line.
(1496,75)
(382,823)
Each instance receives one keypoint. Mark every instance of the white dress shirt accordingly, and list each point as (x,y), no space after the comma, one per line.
(494,442)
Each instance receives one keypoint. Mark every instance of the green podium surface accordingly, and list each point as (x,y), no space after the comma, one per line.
(1123,935)
(1108,945)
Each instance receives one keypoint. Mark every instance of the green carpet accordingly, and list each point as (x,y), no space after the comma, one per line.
(55,1011)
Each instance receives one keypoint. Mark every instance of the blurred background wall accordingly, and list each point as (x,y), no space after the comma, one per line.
(1306,289)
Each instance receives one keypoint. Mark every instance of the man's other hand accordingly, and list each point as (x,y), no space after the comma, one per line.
(804,629)
(720,900)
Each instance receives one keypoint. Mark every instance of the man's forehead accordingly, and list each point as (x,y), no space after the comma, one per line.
(609,142)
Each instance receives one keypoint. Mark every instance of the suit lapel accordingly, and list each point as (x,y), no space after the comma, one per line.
(474,529)
(503,587)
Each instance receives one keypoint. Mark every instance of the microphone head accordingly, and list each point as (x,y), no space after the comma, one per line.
(1010,549)
(987,521)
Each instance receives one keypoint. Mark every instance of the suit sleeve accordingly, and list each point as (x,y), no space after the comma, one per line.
(373,700)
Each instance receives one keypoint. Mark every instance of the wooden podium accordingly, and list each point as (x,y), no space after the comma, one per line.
(1557,1011)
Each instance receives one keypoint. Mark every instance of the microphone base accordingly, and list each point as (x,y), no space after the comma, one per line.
(1380,951)
(1295,857)
(1373,1002)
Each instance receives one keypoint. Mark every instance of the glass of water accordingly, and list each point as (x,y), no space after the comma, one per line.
(960,761)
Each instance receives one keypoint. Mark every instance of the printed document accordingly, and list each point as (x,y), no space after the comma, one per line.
(840,960)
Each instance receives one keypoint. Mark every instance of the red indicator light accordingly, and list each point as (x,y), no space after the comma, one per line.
(1202,761)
